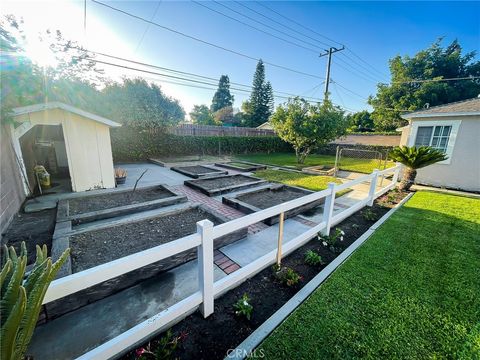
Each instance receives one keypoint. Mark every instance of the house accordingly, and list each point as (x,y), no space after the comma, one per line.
(453,128)
(265,126)
(72,144)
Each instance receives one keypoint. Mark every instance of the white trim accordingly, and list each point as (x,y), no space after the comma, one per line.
(439,114)
(18,153)
(58,105)
(455,124)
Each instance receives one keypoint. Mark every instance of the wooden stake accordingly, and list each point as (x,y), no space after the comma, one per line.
(280,239)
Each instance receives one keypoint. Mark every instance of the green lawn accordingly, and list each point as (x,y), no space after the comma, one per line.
(412,291)
(310,182)
(285,159)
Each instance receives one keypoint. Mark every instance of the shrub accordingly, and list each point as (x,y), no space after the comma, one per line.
(331,240)
(22,297)
(243,307)
(133,145)
(312,258)
(288,276)
(164,349)
(369,215)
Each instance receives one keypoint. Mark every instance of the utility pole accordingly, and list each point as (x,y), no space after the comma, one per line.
(329,52)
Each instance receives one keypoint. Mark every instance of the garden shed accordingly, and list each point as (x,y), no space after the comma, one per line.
(72,144)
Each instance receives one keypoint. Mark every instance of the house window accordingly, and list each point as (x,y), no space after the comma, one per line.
(434,136)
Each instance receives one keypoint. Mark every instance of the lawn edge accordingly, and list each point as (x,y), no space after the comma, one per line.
(248,345)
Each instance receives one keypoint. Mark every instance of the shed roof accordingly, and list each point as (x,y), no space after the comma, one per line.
(469,107)
(59,105)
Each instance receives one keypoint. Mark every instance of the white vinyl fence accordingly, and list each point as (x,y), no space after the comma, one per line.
(203,240)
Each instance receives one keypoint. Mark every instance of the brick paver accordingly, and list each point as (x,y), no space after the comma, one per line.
(224,262)
(227,211)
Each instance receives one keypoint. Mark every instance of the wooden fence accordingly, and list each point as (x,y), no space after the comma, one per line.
(203,240)
(211,130)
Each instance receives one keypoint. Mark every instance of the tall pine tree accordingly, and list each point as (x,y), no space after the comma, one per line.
(260,106)
(222,97)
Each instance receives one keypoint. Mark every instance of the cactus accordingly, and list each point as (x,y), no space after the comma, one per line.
(22,297)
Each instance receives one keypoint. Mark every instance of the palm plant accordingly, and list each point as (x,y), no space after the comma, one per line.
(415,158)
(22,297)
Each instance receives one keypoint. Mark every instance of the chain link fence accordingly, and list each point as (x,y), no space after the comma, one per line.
(360,160)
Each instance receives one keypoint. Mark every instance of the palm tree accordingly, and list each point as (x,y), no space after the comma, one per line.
(415,158)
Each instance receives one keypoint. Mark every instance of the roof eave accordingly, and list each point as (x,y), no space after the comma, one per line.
(431,115)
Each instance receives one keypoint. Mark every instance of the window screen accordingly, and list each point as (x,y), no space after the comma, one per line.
(424,134)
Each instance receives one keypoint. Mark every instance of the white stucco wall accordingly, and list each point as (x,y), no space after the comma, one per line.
(87,144)
(462,169)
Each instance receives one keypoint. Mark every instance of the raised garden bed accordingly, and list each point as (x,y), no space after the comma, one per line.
(320,170)
(241,166)
(223,184)
(96,206)
(212,338)
(256,200)
(198,171)
(99,244)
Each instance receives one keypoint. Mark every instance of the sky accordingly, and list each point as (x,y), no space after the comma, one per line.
(372,32)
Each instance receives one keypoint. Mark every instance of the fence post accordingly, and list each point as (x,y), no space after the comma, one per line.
(328,209)
(373,187)
(396,173)
(205,266)
(280,239)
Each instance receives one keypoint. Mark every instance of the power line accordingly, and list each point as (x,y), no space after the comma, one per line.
(182,72)
(365,69)
(354,72)
(297,23)
(205,42)
(266,25)
(281,24)
(436,80)
(148,25)
(367,63)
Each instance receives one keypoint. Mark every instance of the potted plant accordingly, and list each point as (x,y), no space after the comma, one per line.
(120,176)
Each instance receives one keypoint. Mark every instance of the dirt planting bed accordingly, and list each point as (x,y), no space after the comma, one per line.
(115,203)
(256,200)
(211,338)
(198,171)
(99,244)
(223,184)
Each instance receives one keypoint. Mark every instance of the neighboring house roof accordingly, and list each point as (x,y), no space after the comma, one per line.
(58,105)
(265,125)
(470,107)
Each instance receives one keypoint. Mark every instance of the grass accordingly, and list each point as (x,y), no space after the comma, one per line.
(285,159)
(306,181)
(412,291)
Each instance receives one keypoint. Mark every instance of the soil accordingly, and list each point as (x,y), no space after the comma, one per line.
(33,228)
(108,201)
(224,182)
(264,199)
(97,247)
(212,337)
(198,170)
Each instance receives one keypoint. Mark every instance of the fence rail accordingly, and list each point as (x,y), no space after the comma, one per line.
(203,240)
(211,130)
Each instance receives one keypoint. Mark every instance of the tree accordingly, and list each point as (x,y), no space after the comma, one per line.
(261,104)
(360,121)
(224,116)
(202,115)
(136,103)
(435,62)
(415,158)
(222,97)
(308,126)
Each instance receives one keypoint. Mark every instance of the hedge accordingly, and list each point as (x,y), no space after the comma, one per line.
(135,145)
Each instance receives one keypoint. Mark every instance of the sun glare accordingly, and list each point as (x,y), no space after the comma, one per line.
(40,54)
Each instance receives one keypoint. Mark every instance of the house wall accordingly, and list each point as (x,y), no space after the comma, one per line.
(462,170)
(88,148)
(12,194)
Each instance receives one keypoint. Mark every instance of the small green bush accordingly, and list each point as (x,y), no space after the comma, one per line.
(288,276)
(243,307)
(313,258)
(331,241)
(369,215)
